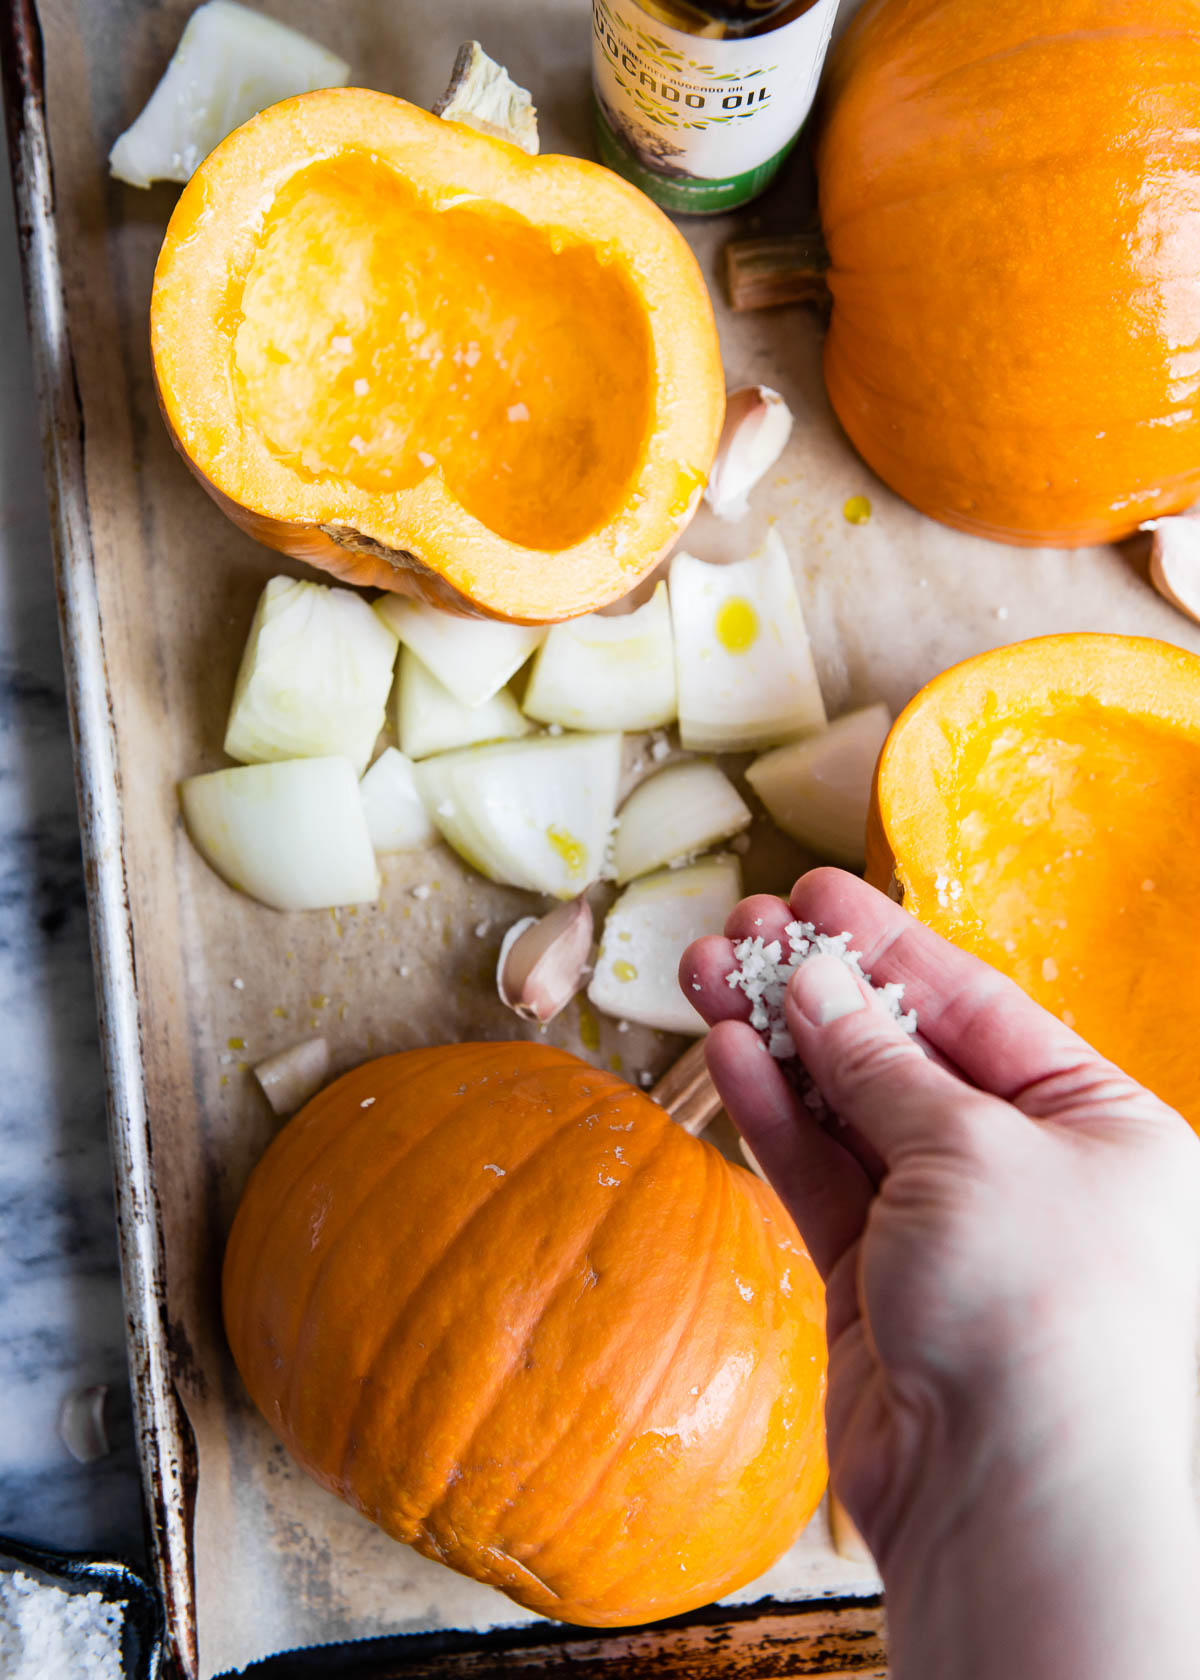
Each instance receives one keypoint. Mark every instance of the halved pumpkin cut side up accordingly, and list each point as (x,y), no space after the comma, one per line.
(414,355)
(1039,806)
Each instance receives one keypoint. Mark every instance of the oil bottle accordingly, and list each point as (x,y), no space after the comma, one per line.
(698,102)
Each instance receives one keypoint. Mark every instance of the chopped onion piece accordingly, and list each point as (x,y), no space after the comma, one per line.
(675,814)
(430,720)
(818,790)
(751,1159)
(847,1541)
(81,1423)
(534,814)
(314,678)
(397,820)
(230,64)
(472,657)
(292,835)
(744,665)
(645,935)
(599,672)
(290,1077)
(543,962)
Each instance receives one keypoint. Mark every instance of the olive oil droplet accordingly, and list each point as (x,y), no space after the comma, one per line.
(573,852)
(857,510)
(737,625)
(624,970)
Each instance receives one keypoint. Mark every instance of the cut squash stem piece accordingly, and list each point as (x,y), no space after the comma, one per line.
(430,720)
(602,672)
(534,814)
(675,814)
(471,657)
(292,835)
(646,933)
(483,95)
(230,64)
(818,790)
(314,677)
(397,820)
(742,657)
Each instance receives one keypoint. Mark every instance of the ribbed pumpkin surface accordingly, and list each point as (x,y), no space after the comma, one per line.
(1010,192)
(525,1323)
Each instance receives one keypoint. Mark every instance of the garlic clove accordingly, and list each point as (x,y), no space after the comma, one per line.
(81,1423)
(1175,562)
(292,1076)
(757,426)
(543,963)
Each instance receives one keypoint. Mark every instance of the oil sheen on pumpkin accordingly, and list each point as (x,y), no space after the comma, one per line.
(525,1323)
(418,357)
(1010,193)
(1038,806)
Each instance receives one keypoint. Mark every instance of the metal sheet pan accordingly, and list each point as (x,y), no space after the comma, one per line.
(155,593)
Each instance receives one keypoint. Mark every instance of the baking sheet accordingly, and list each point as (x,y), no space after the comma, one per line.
(170,588)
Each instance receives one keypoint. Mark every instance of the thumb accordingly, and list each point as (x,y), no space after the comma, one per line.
(872,1074)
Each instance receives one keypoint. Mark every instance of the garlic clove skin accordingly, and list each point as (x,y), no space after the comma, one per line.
(81,1423)
(757,426)
(1175,562)
(544,962)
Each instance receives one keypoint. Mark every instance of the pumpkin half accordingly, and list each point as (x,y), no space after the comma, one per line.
(1010,194)
(524,1322)
(1039,806)
(416,356)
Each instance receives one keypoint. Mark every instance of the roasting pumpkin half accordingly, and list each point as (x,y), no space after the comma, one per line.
(416,356)
(503,1305)
(1010,194)
(1039,805)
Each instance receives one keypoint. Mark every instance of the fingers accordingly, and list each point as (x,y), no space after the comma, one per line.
(974,1017)
(873,1075)
(707,963)
(821,1185)
(703,978)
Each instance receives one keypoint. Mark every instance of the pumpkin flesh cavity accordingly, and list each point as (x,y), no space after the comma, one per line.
(417,356)
(509,358)
(1046,830)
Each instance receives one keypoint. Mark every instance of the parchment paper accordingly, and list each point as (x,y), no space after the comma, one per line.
(222,982)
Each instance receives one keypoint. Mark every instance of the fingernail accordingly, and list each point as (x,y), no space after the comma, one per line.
(825,990)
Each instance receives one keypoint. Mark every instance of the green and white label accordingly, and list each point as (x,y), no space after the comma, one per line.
(700,124)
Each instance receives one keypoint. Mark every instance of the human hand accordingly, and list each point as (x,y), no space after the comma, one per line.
(1009,1229)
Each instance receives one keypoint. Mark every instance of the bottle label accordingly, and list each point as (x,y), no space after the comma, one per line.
(698,124)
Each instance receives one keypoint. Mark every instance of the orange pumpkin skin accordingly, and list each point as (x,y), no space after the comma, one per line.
(528,1325)
(1039,805)
(1010,193)
(411,354)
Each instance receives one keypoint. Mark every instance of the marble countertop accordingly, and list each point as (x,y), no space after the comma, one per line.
(61,1317)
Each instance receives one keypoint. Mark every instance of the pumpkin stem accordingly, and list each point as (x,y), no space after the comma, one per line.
(483,95)
(777,268)
(687,1092)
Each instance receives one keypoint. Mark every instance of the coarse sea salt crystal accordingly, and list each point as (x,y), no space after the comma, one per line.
(45,1632)
(764,970)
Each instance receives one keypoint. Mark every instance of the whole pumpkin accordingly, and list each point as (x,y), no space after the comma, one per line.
(1010,193)
(503,1305)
